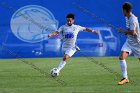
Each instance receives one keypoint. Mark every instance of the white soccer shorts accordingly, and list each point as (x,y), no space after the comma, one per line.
(69,51)
(126,47)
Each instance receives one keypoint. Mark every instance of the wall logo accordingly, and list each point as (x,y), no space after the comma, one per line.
(32,23)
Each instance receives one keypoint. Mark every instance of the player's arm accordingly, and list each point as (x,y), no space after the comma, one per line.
(56,33)
(53,34)
(128,32)
(91,30)
(131,31)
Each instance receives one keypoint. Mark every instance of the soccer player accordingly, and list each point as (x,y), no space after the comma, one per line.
(132,44)
(69,35)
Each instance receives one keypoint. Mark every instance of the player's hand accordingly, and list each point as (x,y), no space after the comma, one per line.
(49,35)
(121,30)
(96,32)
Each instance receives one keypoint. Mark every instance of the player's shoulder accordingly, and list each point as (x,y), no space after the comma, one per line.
(74,25)
(133,18)
(62,26)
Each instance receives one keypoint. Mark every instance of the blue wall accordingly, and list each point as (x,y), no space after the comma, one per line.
(109,10)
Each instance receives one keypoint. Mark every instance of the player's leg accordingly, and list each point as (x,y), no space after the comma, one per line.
(63,62)
(137,53)
(123,64)
(67,54)
(138,56)
(125,51)
(123,67)
(66,57)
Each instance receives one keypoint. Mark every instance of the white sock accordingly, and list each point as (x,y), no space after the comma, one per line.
(123,66)
(61,65)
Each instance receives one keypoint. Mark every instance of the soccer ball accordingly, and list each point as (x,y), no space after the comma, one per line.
(54,72)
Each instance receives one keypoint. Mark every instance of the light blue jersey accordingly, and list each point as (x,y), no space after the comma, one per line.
(69,34)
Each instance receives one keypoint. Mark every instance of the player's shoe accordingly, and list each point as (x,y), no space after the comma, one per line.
(123,81)
(77,48)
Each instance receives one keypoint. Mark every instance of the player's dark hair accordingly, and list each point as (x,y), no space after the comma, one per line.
(127,7)
(70,16)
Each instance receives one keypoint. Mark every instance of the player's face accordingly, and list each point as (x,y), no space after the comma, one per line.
(70,21)
(124,12)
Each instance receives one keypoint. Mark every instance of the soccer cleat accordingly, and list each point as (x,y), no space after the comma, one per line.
(123,81)
(77,48)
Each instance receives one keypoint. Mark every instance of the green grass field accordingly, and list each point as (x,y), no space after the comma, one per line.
(81,75)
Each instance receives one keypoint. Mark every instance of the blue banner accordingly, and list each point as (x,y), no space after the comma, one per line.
(25,25)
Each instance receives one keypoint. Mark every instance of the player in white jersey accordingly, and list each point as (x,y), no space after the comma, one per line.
(69,35)
(132,44)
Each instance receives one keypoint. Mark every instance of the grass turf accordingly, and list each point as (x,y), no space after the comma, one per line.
(80,75)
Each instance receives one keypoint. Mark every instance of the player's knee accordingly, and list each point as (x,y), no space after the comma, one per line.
(66,57)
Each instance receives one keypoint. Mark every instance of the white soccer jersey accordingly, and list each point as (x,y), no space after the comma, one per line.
(132,24)
(69,34)
(133,41)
